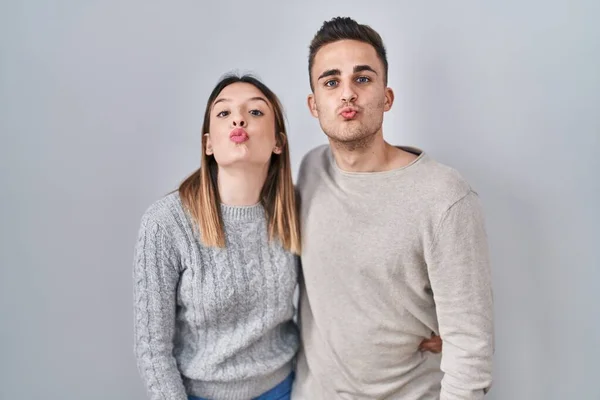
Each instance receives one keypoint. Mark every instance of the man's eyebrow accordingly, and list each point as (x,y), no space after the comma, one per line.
(357,68)
(329,72)
(360,68)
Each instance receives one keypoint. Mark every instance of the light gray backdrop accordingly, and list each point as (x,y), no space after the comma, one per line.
(100,111)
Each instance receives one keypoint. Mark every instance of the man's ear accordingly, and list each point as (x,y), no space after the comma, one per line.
(312,105)
(389,99)
(208,148)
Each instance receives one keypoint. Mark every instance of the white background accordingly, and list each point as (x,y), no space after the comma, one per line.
(101,105)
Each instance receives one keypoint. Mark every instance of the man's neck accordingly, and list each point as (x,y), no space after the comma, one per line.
(375,156)
(241,186)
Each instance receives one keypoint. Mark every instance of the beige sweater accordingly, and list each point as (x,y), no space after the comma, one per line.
(388,258)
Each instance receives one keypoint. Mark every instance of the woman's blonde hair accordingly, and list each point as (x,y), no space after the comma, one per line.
(199,192)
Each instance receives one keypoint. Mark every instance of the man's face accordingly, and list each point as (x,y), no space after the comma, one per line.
(350,95)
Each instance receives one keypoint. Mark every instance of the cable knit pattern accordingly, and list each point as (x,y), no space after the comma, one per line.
(209,322)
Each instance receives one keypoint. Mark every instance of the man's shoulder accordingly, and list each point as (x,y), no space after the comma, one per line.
(315,160)
(442,181)
(317,156)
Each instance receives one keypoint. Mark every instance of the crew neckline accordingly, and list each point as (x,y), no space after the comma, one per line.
(421,155)
(242,213)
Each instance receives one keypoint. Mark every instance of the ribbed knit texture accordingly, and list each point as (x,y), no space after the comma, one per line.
(212,322)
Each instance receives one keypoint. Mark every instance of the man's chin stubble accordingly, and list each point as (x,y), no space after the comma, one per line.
(352,144)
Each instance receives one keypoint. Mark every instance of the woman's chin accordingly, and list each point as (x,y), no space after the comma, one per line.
(243,159)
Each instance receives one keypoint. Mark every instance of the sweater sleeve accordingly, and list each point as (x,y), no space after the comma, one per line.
(156,276)
(460,276)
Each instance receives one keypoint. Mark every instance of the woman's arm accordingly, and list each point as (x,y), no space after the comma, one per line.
(156,275)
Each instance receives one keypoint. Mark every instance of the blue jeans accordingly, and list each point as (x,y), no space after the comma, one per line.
(282,391)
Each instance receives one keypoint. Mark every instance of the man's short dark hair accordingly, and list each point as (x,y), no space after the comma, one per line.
(345,28)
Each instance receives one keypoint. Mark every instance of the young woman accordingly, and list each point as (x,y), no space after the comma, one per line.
(215,268)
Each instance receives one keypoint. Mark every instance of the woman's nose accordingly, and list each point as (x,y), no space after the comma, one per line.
(239,122)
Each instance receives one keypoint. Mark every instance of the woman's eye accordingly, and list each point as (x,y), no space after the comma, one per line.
(223,114)
(256,113)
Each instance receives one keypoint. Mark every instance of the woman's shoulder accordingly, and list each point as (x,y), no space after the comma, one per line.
(166,212)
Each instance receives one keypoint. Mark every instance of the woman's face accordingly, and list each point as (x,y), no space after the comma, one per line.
(242,127)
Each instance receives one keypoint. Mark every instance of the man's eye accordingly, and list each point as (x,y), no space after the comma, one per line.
(223,114)
(256,113)
(331,83)
(363,79)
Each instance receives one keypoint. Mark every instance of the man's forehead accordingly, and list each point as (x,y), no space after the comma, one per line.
(344,55)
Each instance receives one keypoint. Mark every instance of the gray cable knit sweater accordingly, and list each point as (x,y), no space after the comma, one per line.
(211,322)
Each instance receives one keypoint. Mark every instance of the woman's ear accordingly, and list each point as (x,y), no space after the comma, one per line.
(209,149)
(280,142)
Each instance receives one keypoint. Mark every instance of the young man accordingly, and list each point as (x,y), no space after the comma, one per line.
(394,246)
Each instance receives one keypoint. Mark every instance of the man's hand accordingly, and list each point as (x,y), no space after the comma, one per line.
(434,344)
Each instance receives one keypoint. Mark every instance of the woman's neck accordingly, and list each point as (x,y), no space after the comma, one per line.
(241,186)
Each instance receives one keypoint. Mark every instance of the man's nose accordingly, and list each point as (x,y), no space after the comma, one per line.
(348,94)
